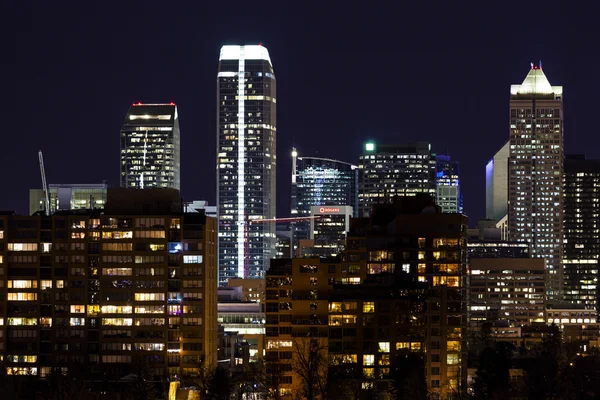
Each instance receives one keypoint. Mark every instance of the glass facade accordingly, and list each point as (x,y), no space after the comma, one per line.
(535,209)
(394,170)
(582,232)
(246,161)
(319,182)
(448,193)
(150,147)
(69,197)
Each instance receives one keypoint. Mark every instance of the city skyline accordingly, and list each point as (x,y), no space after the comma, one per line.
(492,59)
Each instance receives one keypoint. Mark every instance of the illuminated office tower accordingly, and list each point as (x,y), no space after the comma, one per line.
(245,161)
(386,171)
(535,210)
(496,185)
(320,182)
(150,147)
(582,231)
(448,195)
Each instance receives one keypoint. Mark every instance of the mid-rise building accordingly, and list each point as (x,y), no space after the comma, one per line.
(507,289)
(319,182)
(582,231)
(150,147)
(535,207)
(246,161)
(328,231)
(409,243)
(448,194)
(386,171)
(496,185)
(247,320)
(100,290)
(68,197)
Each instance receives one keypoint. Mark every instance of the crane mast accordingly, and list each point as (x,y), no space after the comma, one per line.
(44,185)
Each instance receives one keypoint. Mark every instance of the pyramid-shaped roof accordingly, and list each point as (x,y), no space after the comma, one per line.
(536,83)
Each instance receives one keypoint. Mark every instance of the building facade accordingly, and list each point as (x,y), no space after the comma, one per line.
(582,231)
(496,185)
(101,291)
(150,147)
(69,197)
(448,194)
(246,161)
(320,182)
(507,289)
(536,172)
(329,229)
(386,171)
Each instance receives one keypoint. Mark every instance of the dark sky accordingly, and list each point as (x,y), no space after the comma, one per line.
(388,71)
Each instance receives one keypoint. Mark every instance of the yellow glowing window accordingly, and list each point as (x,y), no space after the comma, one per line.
(22,321)
(335,307)
(453,345)
(369,372)
(369,307)
(77,309)
(21,284)
(157,247)
(422,268)
(422,279)
(421,255)
(384,359)
(93,310)
(335,320)
(453,359)
(349,306)
(368,359)
(422,242)
(415,346)
(384,347)
(22,296)
(402,345)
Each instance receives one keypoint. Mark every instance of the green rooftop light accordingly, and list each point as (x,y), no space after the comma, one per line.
(370,146)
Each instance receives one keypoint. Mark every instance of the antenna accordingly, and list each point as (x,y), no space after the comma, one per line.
(44,186)
(540,64)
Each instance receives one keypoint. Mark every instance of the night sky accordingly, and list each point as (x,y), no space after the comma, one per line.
(420,70)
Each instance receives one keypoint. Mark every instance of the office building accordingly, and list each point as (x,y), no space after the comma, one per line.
(150,147)
(68,197)
(246,161)
(328,231)
(496,185)
(582,231)
(98,291)
(200,206)
(386,171)
(448,194)
(246,320)
(507,289)
(320,182)
(535,195)
(486,241)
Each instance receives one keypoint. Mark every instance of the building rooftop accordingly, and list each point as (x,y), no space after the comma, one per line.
(535,83)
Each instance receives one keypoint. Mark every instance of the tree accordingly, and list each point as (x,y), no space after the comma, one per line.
(214,383)
(249,378)
(309,362)
(407,378)
(492,379)
(142,388)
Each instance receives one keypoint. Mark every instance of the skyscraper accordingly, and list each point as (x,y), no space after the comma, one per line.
(448,195)
(582,230)
(386,171)
(150,147)
(535,209)
(496,185)
(320,182)
(246,161)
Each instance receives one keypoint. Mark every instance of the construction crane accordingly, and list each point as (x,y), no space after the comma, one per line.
(44,185)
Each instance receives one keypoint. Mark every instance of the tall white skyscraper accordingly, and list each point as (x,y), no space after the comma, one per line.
(535,194)
(246,161)
(496,185)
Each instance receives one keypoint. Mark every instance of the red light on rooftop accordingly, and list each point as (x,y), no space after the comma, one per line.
(171,103)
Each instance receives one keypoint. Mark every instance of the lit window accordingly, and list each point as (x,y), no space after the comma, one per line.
(368,307)
(384,347)
(368,359)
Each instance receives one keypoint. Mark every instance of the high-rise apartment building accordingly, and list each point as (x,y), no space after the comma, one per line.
(99,291)
(386,171)
(582,231)
(150,147)
(246,161)
(448,194)
(496,185)
(535,208)
(320,182)
(69,197)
